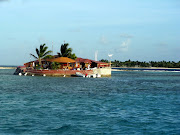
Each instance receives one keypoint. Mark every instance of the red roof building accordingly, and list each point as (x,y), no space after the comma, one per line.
(85,62)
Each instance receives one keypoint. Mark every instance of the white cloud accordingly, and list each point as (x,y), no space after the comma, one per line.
(124,46)
(103,40)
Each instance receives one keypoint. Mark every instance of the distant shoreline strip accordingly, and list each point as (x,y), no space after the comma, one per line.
(7,67)
(144,69)
(126,68)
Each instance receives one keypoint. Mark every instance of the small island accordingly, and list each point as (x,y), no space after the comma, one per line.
(65,63)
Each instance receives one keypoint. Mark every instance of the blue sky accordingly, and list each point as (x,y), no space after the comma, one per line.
(129,29)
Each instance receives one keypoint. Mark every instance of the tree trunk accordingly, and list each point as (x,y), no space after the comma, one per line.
(40,63)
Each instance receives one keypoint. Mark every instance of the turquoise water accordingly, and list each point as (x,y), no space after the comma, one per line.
(126,103)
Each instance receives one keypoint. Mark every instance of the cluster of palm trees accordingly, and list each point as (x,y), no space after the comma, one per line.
(66,52)
(129,63)
(43,52)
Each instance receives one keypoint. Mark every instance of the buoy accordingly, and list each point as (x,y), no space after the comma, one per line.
(44,74)
(32,75)
(94,75)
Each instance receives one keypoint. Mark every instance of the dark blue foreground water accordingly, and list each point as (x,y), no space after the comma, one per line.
(126,103)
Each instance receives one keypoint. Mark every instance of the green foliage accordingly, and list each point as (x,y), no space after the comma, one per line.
(168,64)
(41,53)
(38,66)
(73,56)
(55,65)
(66,52)
(104,60)
(48,57)
(129,63)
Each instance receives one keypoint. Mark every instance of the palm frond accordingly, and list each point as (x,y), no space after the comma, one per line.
(59,54)
(65,51)
(37,51)
(48,52)
(41,47)
(44,49)
(34,56)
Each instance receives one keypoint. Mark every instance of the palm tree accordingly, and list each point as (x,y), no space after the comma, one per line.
(41,53)
(66,52)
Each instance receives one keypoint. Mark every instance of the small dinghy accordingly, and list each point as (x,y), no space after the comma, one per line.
(78,74)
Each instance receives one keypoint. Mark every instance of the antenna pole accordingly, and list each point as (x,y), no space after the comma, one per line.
(96,54)
(110,55)
(30,57)
(52,47)
(110,61)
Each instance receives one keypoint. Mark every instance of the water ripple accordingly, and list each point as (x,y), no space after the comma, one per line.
(126,103)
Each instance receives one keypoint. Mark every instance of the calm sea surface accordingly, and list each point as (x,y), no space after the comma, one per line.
(133,102)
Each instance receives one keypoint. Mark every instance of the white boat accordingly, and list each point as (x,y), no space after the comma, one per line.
(95,75)
(78,74)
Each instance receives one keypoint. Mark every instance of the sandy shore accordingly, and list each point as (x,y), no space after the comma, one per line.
(116,70)
(7,67)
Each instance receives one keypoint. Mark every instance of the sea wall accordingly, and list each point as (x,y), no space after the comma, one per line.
(58,72)
(106,71)
(102,71)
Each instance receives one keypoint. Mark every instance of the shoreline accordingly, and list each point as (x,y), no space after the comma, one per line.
(143,68)
(115,68)
(8,67)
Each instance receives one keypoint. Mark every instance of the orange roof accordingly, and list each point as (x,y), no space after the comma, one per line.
(62,60)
